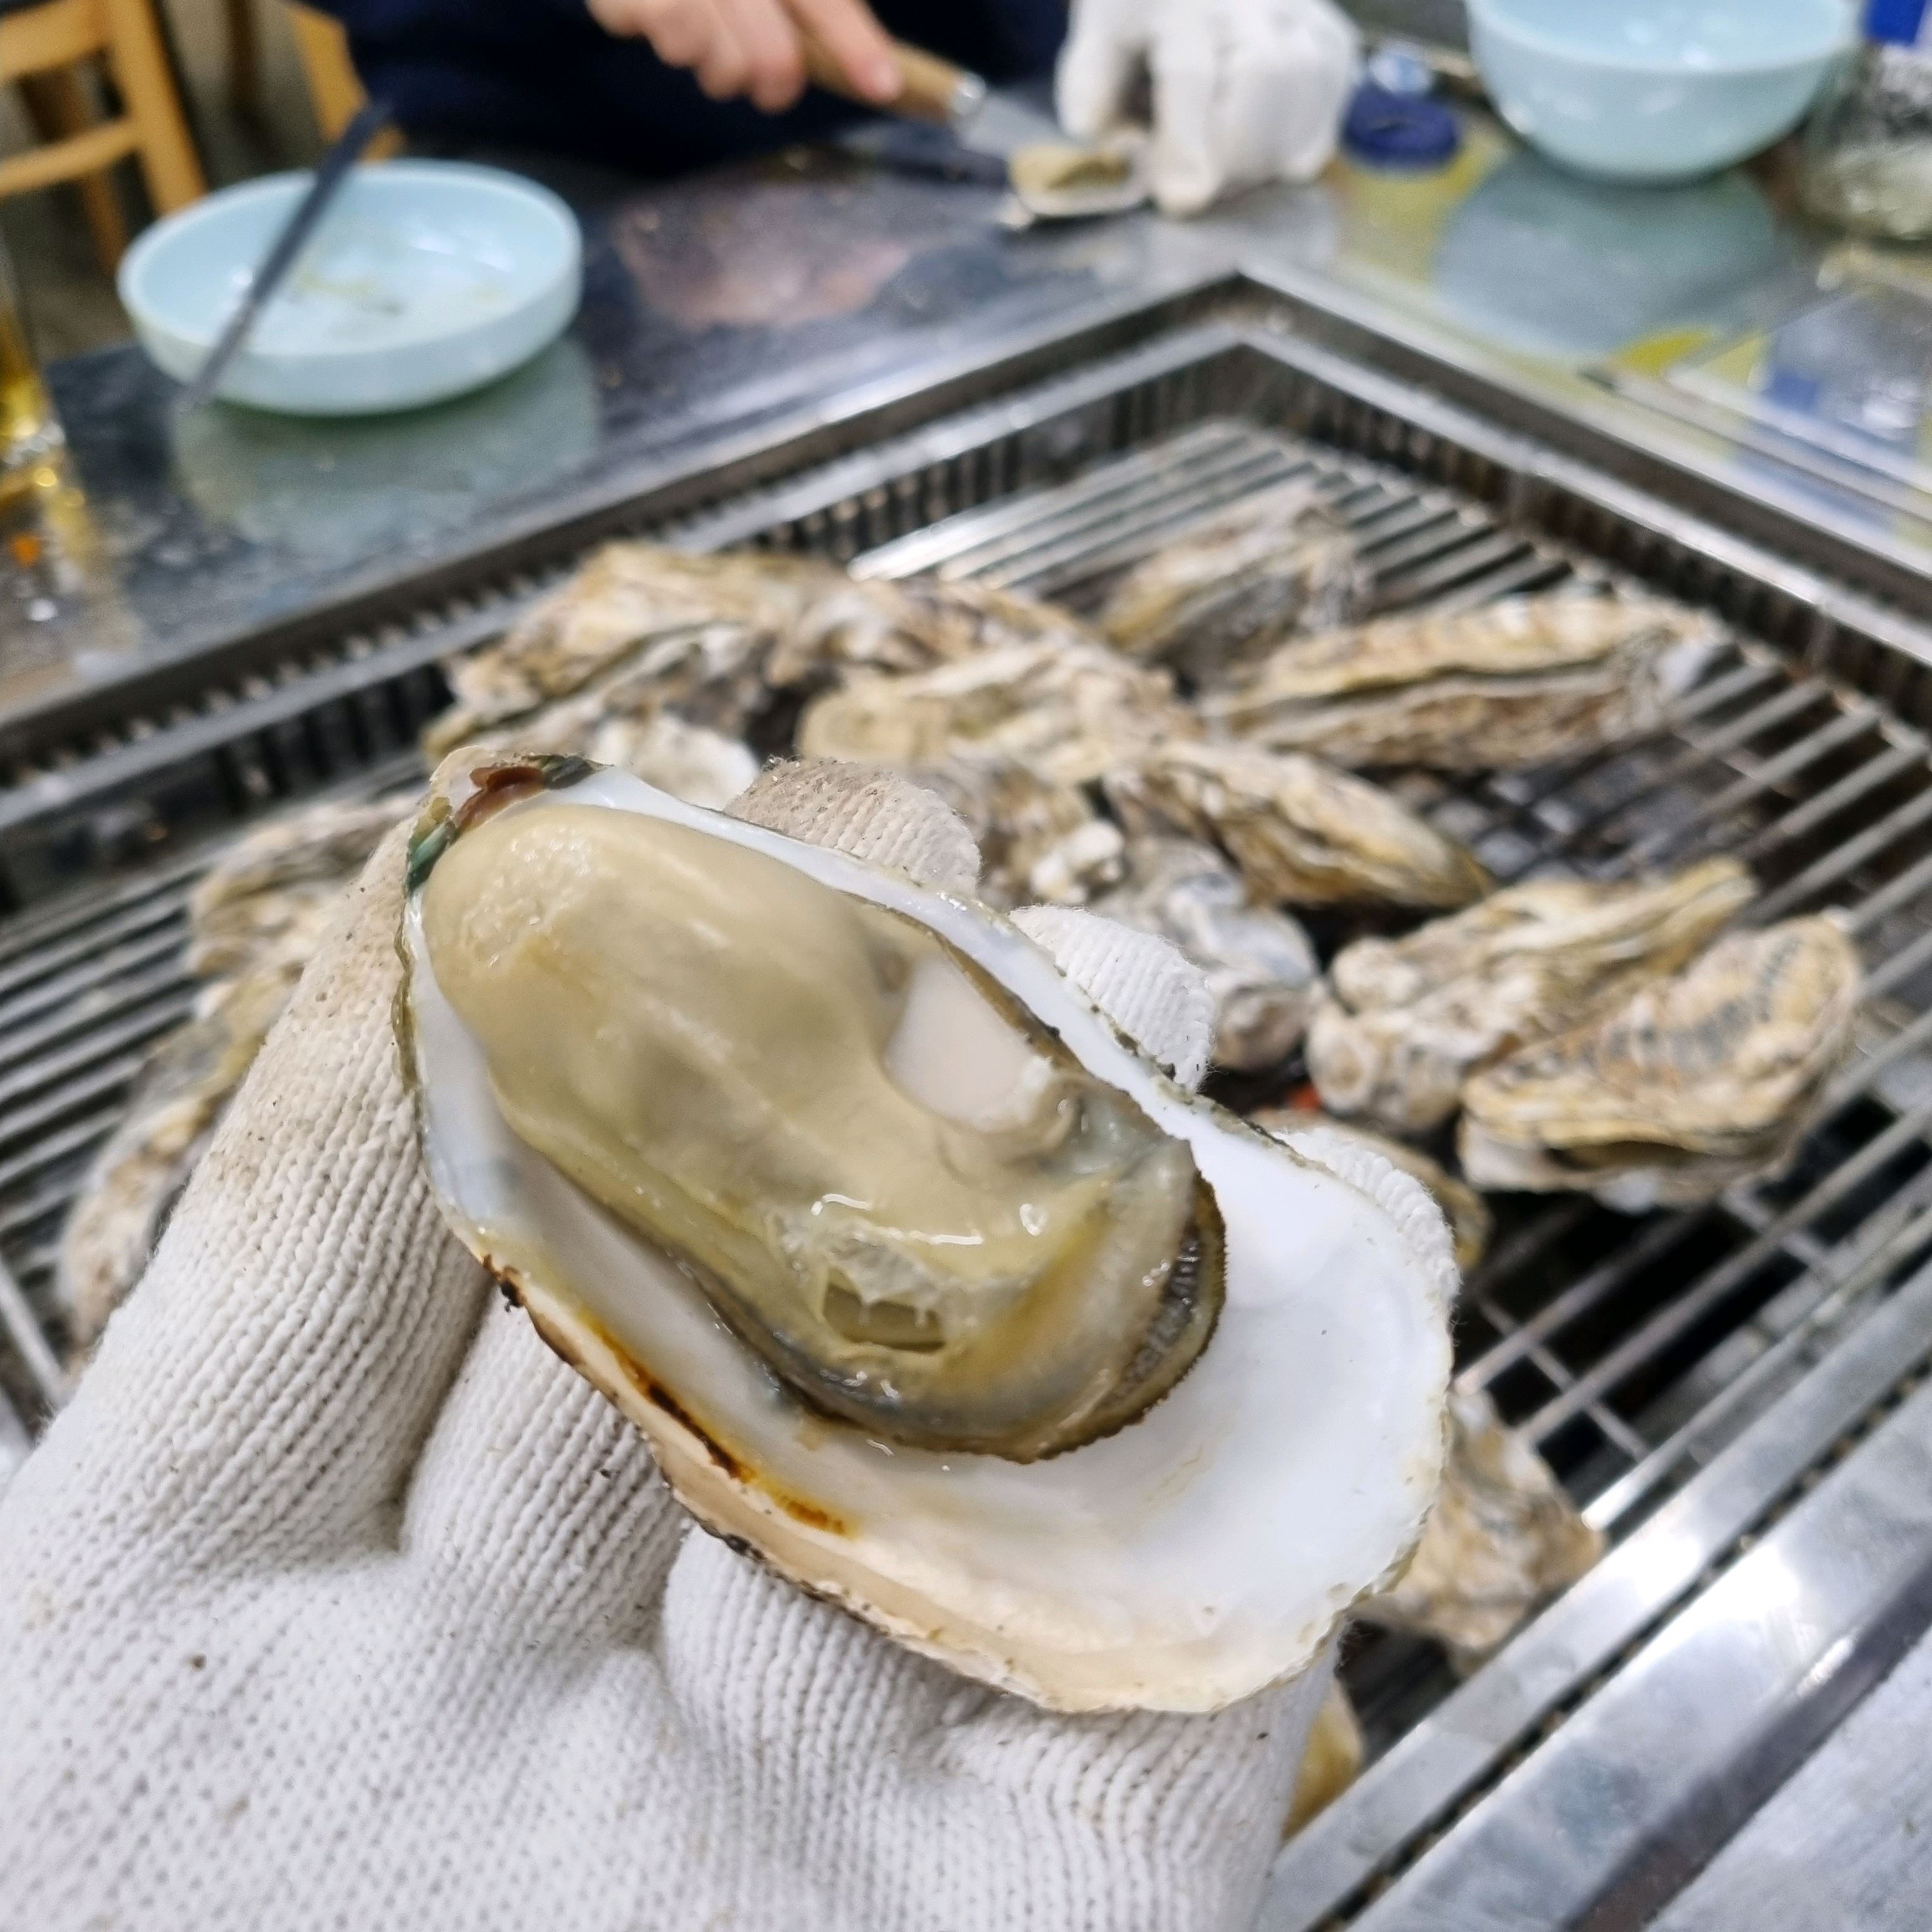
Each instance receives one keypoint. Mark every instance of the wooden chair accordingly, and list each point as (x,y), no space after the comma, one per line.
(41,46)
(334,91)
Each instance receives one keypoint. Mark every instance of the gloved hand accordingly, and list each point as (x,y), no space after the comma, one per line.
(334,1599)
(1244,91)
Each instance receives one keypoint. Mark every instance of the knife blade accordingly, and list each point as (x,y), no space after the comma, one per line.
(345,150)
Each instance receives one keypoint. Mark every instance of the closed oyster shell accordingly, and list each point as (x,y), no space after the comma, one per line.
(1259,966)
(1689,1084)
(1231,588)
(1302,833)
(1401,1023)
(1517,682)
(1503,1539)
(1039,842)
(717,634)
(1177,1563)
(1068,712)
(1470,1221)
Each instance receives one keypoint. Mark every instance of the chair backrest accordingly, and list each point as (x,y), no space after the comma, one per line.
(334,91)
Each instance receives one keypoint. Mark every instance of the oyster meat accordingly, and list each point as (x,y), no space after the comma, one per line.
(1229,590)
(1518,682)
(1067,712)
(921,1282)
(1688,1085)
(1038,840)
(1466,1210)
(1401,1023)
(1503,1539)
(1302,833)
(1261,969)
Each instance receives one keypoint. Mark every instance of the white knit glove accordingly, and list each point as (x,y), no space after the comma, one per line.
(334,1599)
(1244,91)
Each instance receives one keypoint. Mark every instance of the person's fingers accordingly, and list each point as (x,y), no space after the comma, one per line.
(1156,996)
(722,70)
(535,1496)
(871,812)
(774,58)
(1186,166)
(266,1387)
(848,31)
(1096,69)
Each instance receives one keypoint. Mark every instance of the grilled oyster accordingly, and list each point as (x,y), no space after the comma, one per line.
(1401,1023)
(142,1166)
(1038,840)
(1688,1085)
(1514,683)
(1504,1538)
(1260,969)
(1467,1214)
(918,1193)
(705,620)
(1302,833)
(715,634)
(1067,712)
(1231,589)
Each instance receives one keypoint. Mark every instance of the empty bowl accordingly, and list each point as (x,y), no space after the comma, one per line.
(423,279)
(1655,90)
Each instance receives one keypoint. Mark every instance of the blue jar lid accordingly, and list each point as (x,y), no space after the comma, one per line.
(1895,21)
(1399,130)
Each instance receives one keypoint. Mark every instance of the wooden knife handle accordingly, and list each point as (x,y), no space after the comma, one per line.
(930,88)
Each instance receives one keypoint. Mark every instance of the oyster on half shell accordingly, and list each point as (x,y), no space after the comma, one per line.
(1466,1210)
(1518,682)
(1228,591)
(1691,1084)
(1401,1023)
(921,1282)
(1302,833)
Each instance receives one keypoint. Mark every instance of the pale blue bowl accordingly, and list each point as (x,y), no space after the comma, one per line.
(425,279)
(1655,90)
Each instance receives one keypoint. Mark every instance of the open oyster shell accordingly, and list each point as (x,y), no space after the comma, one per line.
(1691,1084)
(1178,1555)
(1401,1023)
(1302,833)
(1260,968)
(1226,593)
(1470,1221)
(1517,682)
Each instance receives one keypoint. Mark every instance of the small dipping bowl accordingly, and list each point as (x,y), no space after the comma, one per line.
(423,279)
(1655,90)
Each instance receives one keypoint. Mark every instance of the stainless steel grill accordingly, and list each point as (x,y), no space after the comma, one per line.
(1691,1375)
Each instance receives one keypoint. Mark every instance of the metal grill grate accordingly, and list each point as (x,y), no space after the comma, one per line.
(1630,1351)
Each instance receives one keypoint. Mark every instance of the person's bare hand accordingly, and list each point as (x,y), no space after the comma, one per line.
(756,48)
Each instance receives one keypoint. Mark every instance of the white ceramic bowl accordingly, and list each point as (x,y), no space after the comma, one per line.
(423,280)
(1655,90)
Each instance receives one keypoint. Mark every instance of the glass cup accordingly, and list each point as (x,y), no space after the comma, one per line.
(29,434)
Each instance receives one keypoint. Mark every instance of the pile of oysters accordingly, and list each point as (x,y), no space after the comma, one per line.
(922,1281)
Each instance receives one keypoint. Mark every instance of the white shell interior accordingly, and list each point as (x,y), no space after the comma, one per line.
(1195,1556)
